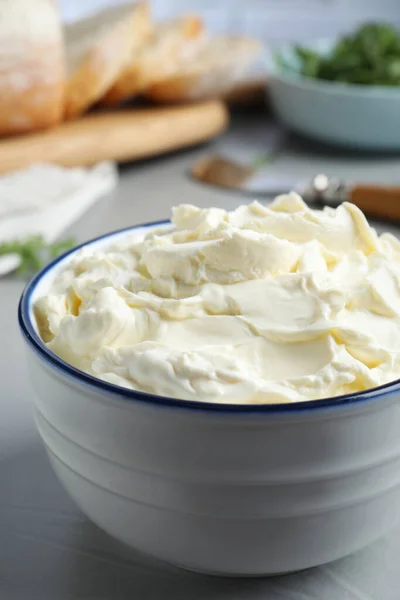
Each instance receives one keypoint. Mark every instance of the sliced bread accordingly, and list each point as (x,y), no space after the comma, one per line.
(32,66)
(98,49)
(218,67)
(167,45)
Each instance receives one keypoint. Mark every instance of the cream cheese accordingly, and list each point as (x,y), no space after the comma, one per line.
(263,304)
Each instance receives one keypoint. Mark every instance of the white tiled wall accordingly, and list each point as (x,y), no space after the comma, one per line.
(272,19)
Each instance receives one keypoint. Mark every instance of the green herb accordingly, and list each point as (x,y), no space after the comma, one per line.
(34,252)
(262,160)
(370,56)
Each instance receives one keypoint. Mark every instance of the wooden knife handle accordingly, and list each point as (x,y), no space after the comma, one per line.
(377,201)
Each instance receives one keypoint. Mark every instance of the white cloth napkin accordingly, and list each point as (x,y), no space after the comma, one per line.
(46,200)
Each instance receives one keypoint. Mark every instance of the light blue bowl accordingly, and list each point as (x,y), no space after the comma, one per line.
(356,116)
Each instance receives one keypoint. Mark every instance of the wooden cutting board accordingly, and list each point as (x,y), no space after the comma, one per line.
(122,135)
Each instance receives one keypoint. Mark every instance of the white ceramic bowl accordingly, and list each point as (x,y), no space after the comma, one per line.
(225,489)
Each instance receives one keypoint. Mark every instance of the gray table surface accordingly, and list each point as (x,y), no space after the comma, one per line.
(48,549)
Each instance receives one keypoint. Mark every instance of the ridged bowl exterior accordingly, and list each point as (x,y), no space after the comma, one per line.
(224,493)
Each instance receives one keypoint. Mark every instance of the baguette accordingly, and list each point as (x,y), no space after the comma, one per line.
(32,66)
(157,58)
(98,49)
(219,67)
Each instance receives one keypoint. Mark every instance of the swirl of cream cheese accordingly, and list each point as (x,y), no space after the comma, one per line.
(263,304)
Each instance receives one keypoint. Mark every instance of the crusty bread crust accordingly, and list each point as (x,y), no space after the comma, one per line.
(32,66)
(211,73)
(156,58)
(38,106)
(107,57)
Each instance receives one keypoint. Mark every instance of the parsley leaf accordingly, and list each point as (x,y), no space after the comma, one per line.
(369,56)
(34,252)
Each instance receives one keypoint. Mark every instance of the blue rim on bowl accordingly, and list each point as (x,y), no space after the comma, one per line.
(33,339)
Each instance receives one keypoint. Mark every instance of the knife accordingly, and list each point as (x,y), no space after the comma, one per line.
(381,202)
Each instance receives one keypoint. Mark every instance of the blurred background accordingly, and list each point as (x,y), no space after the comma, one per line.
(275,20)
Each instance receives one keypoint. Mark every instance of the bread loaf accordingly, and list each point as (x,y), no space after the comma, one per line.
(99,48)
(218,67)
(32,66)
(157,58)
